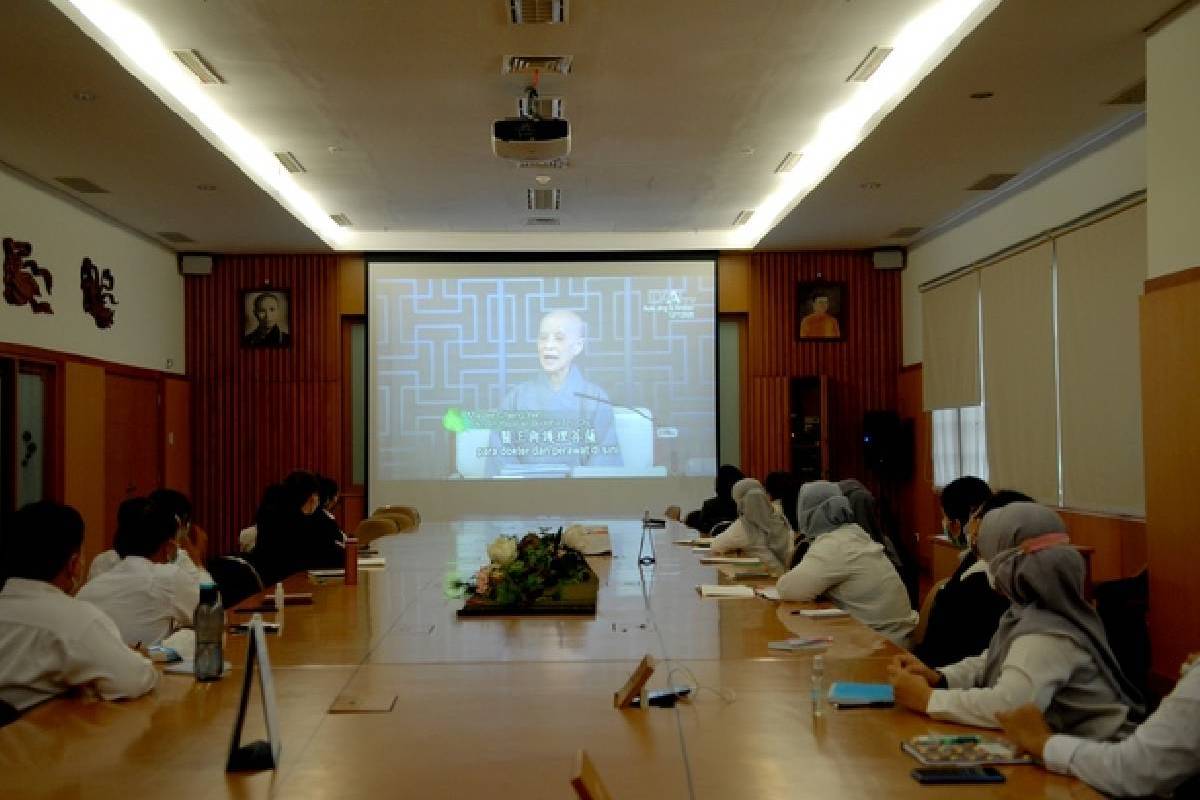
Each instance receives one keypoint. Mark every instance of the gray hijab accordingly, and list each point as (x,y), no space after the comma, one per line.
(821,508)
(1043,578)
(768,529)
(863,506)
(740,489)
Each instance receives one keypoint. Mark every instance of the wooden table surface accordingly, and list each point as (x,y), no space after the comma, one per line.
(498,707)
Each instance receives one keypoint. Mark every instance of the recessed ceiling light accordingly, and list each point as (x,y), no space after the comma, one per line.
(206,187)
(84,96)
(542,179)
(919,46)
(140,50)
(871,185)
(982,95)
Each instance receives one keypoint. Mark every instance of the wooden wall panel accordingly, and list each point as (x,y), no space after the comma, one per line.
(1170,350)
(862,369)
(260,413)
(765,448)
(177,433)
(83,439)
(919,510)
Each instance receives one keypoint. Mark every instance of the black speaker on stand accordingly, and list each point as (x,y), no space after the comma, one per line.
(888,455)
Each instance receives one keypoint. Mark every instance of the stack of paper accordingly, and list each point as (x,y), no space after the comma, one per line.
(740,561)
(802,644)
(768,592)
(823,613)
(713,590)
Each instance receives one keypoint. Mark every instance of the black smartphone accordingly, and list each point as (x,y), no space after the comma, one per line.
(950,775)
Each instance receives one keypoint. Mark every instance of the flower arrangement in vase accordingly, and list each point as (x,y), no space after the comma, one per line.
(538,573)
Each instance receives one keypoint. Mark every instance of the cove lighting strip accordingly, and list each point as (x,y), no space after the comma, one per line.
(917,49)
(135,44)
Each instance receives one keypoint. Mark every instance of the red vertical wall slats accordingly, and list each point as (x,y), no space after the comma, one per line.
(862,369)
(260,413)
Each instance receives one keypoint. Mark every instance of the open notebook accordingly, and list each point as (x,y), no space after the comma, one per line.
(713,590)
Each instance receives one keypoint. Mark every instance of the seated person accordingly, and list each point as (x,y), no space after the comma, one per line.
(782,489)
(573,425)
(1156,759)
(866,515)
(128,514)
(760,529)
(1050,648)
(49,641)
(967,610)
(327,534)
(147,594)
(720,508)
(846,565)
(193,540)
(287,542)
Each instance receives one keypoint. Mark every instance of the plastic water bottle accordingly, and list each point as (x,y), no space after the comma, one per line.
(817,691)
(210,634)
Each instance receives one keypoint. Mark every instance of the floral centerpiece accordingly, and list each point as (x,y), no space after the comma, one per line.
(540,573)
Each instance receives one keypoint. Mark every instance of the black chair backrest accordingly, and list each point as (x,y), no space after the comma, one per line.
(1122,605)
(7,714)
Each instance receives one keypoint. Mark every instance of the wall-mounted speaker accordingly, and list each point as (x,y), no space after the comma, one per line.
(888,258)
(195,264)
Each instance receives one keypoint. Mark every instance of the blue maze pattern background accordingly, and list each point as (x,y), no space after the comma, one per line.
(464,342)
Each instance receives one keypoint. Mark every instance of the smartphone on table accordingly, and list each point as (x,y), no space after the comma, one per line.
(957,775)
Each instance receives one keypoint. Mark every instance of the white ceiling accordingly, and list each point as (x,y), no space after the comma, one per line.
(680,112)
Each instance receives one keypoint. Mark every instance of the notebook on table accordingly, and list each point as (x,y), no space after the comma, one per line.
(843,694)
(741,561)
(970,750)
(713,590)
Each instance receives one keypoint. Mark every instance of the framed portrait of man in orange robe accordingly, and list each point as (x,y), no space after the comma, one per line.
(820,311)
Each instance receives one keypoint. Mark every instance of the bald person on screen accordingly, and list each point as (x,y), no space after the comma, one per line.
(570,420)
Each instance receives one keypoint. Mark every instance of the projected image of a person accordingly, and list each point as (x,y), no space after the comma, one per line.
(569,419)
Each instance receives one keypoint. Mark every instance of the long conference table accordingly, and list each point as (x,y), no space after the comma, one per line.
(498,707)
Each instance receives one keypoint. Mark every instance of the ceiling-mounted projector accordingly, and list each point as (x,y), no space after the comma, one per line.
(531,138)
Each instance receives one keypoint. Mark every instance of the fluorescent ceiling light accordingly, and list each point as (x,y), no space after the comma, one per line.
(917,49)
(138,47)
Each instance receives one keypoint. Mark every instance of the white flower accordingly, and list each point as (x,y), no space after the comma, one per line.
(575,537)
(503,550)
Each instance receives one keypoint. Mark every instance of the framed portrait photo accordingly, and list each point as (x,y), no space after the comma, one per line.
(266,317)
(820,311)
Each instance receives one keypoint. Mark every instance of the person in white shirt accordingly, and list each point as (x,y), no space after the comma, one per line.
(760,529)
(128,514)
(147,595)
(49,641)
(192,539)
(1049,649)
(1156,759)
(846,565)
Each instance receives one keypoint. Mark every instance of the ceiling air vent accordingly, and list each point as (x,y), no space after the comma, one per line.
(537,12)
(527,64)
(544,107)
(198,66)
(875,57)
(993,181)
(290,162)
(743,217)
(1133,96)
(81,185)
(546,163)
(905,233)
(175,237)
(341,219)
(789,163)
(543,199)
(538,222)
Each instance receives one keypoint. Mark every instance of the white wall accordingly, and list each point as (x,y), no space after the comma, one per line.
(1098,178)
(148,327)
(1173,112)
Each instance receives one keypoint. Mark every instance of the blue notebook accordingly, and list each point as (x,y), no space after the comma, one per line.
(861,695)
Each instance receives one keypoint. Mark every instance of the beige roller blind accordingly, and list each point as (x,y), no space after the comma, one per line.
(1100,273)
(1018,368)
(950,346)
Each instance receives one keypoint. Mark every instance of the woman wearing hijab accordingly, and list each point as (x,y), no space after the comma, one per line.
(721,508)
(760,529)
(866,514)
(845,564)
(1050,648)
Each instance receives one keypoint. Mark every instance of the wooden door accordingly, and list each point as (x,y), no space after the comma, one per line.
(132,446)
